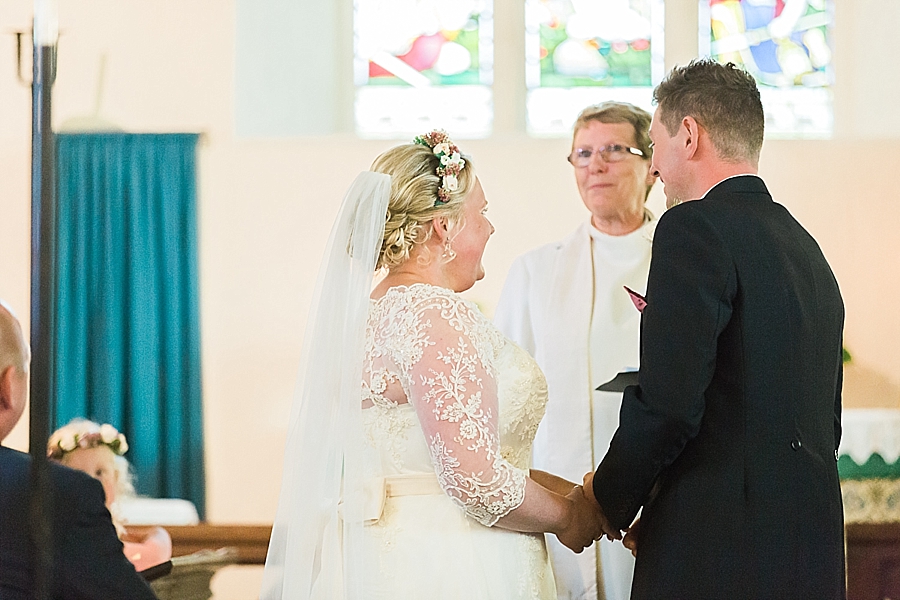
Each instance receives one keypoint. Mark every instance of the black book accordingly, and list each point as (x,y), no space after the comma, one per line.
(157,571)
(620,382)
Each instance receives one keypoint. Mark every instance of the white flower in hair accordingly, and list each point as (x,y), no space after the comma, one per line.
(123,445)
(442,148)
(67,441)
(451,163)
(108,433)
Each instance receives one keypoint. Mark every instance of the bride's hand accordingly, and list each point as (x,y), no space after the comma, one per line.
(581,527)
(586,523)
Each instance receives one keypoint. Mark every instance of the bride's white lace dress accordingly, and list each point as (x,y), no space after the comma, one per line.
(451,408)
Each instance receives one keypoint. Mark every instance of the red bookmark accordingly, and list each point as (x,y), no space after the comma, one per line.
(639,301)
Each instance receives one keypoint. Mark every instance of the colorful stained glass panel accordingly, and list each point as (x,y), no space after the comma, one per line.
(787,46)
(580,52)
(421,64)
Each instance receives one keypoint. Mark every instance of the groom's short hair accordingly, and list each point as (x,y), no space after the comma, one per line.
(723,99)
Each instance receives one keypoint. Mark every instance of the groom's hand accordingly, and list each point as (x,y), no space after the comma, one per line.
(630,539)
(588,491)
(588,486)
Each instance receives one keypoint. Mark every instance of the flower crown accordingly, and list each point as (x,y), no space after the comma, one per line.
(85,434)
(451,162)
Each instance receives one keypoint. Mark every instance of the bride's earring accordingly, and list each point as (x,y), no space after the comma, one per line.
(448,254)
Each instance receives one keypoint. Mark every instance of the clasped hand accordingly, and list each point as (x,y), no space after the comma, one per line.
(586,522)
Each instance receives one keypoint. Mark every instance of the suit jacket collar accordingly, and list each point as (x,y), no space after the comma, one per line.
(6,451)
(740,184)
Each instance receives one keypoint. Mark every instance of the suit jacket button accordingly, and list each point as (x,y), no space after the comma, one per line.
(796,443)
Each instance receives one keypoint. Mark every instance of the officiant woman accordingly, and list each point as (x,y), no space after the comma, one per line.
(565,304)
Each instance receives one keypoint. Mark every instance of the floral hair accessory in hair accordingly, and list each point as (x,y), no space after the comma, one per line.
(451,162)
(81,433)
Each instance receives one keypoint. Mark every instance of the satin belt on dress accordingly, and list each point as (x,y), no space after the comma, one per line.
(379,489)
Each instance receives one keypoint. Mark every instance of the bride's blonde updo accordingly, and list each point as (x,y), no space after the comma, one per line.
(415,200)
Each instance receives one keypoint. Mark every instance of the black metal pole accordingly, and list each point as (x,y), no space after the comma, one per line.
(43,310)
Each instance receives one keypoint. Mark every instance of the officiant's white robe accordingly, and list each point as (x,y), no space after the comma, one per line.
(565,304)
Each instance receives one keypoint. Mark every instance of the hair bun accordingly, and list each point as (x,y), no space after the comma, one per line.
(420,180)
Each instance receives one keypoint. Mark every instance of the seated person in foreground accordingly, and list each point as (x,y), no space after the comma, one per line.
(98,451)
(87,562)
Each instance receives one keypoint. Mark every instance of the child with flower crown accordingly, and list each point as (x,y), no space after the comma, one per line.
(98,451)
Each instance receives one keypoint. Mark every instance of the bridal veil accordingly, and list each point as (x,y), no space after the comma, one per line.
(320,510)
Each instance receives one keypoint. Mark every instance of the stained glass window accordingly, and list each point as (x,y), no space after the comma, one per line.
(580,52)
(787,46)
(420,64)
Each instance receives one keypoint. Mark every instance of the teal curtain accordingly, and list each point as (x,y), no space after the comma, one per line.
(128,342)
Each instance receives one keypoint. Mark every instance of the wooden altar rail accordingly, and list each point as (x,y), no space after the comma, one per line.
(873,561)
(251,541)
(873,552)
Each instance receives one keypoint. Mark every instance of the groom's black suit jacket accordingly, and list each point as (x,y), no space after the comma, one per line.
(729,442)
(88,562)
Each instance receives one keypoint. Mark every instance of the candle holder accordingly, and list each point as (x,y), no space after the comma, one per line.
(50,63)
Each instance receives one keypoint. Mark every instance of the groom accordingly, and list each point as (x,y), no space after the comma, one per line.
(730,441)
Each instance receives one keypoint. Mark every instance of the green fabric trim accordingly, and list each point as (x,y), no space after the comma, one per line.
(874,468)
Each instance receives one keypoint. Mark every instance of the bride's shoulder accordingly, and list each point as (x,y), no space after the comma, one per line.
(421,296)
(429,302)
(408,316)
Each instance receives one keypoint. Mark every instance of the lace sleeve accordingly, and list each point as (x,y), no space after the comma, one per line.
(454,392)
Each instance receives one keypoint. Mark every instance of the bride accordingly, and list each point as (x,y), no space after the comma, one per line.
(415,483)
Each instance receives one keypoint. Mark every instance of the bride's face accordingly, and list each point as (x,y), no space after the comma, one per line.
(468,240)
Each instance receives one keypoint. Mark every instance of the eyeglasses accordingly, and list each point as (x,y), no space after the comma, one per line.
(581,157)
